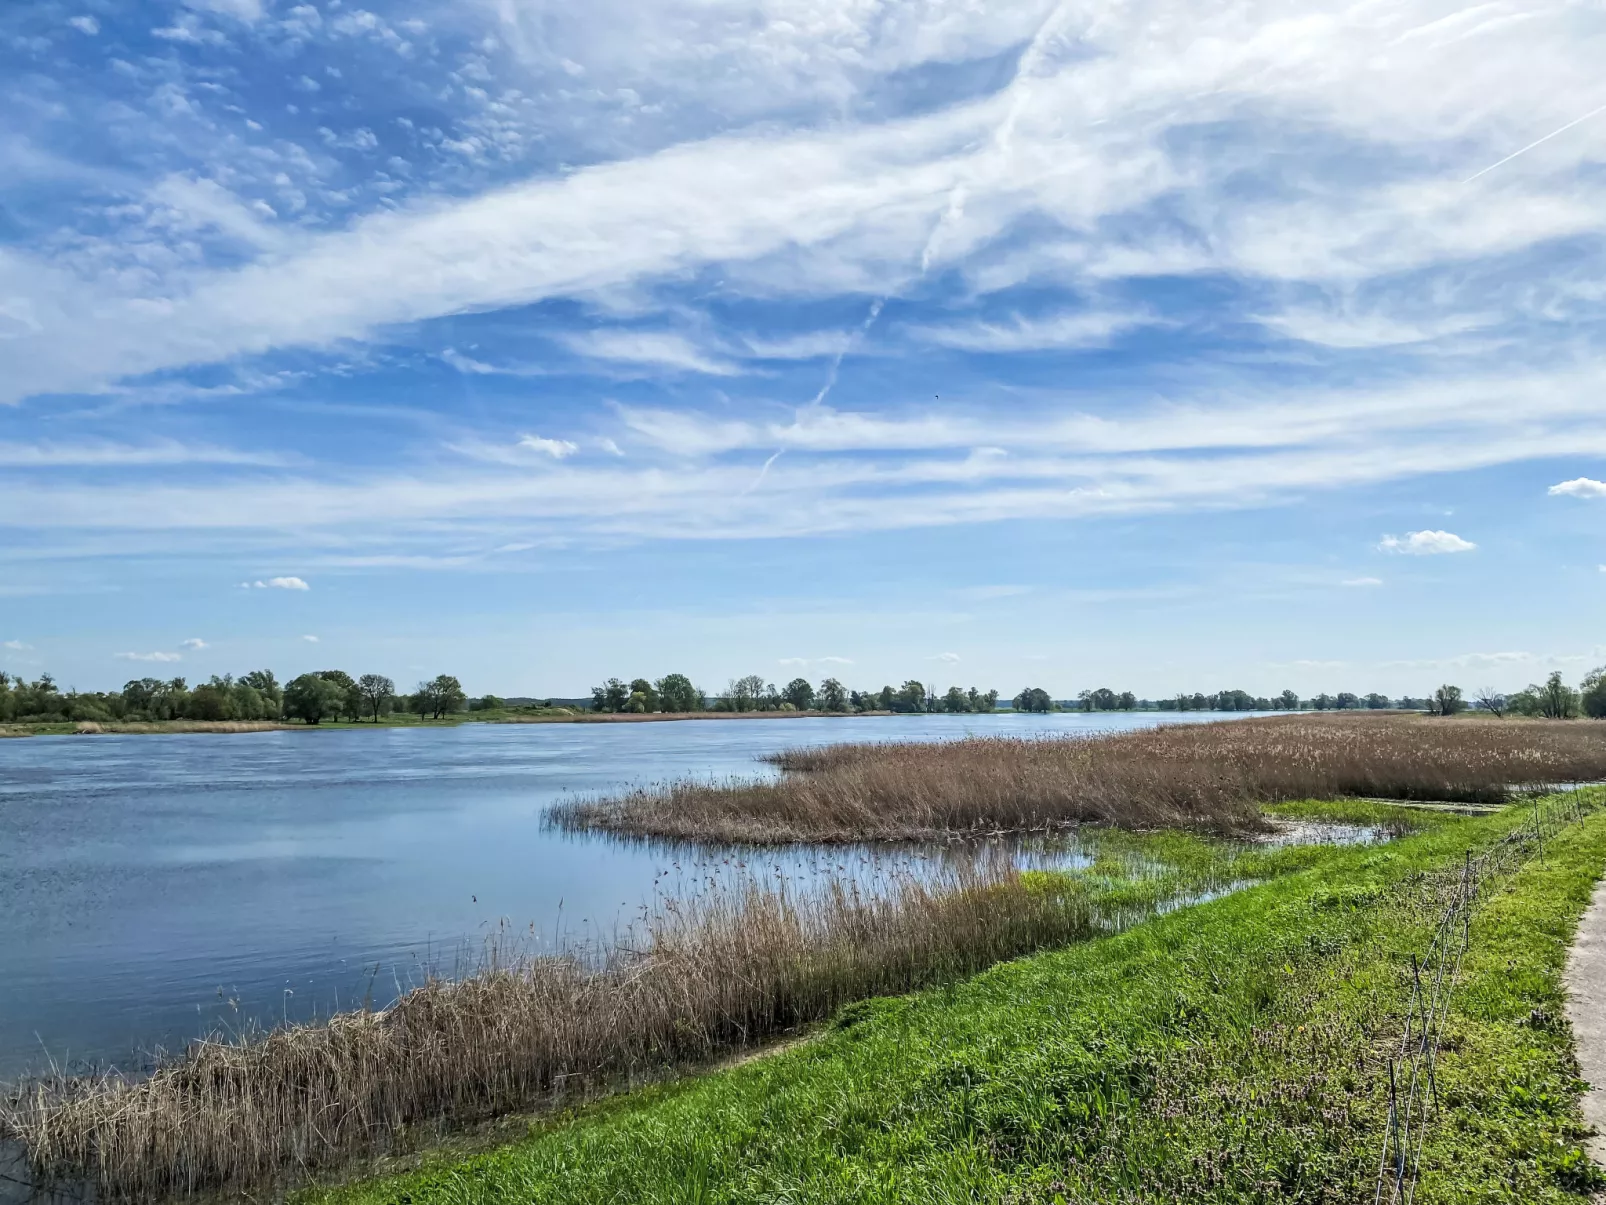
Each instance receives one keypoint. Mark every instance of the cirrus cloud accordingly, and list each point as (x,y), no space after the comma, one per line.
(156,656)
(277,583)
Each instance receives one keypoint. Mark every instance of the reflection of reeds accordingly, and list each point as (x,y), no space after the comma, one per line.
(723,971)
(1210,776)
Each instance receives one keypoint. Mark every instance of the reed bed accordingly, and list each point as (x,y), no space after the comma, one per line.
(1212,777)
(719,973)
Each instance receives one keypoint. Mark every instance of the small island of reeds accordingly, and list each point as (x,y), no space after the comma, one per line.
(1211,777)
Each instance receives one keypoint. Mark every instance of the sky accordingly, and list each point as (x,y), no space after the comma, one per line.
(1161,345)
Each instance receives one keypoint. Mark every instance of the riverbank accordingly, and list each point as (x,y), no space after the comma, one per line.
(724,972)
(1233,1051)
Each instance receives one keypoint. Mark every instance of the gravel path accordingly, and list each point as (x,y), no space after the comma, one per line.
(1586,1009)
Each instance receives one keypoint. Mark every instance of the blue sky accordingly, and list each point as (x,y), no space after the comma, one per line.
(1160,345)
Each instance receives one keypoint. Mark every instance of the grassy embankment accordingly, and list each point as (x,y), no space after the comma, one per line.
(1209,776)
(724,972)
(1233,1052)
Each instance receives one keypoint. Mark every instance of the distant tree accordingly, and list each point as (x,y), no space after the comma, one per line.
(1126,701)
(1557,700)
(745,694)
(1376,702)
(1447,700)
(1346,701)
(447,694)
(676,693)
(313,698)
(1491,700)
(1288,701)
(911,696)
(267,687)
(800,694)
(1592,695)
(643,696)
(351,701)
(611,696)
(955,700)
(212,700)
(989,701)
(1034,698)
(831,696)
(377,693)
(1322,702)
(884,698)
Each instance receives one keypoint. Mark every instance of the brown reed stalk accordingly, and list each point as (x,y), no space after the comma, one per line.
(1206,776)
(719,972)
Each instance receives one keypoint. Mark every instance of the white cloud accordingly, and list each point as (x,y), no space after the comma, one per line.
(950,658)
(195,644)
(648,349)
(85,24)
(836,660)
(17,646)
(278,583)
(108,455)
(243,10)
(1074,329)
(310,639)
(793,661)
(555,448)
(1580,487)
(149,657)
(1362,581)
(1425,543)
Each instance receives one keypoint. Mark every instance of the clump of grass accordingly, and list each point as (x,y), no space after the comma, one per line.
(1205,776)
(720,972)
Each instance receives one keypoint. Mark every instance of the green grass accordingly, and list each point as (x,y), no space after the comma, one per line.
(1233,1051)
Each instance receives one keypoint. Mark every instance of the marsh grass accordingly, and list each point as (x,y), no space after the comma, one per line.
(1211,777)
(723,972)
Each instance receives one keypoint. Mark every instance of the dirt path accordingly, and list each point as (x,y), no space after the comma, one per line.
(1586,1009)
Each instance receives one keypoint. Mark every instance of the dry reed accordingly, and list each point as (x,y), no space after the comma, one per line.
(726,971)
(1206,776)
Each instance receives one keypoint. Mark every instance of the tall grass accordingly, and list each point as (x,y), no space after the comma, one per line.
(1208,776)
(724,971)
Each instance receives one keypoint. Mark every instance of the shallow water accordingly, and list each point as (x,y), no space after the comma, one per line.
(154,888)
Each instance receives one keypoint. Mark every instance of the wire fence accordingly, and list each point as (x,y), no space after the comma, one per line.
(1412,1082)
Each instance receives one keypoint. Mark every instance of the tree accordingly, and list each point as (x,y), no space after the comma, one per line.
(799,693)
(989,701)
(267,687)
(911,696)
(831,696)
(744,694)
(351,702)
(1491,700)
(1447,700)
(1376,702)
(612,696)
(423,700)
(377,693)
(1034,698)
(955,700)
(1593,694)
(1288,700)
(447,694)
(313,698)
(676,693)
(1556,700)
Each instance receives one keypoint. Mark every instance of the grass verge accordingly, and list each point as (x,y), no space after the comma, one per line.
(1228,1052)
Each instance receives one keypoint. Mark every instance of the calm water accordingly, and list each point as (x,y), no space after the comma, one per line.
(155,887)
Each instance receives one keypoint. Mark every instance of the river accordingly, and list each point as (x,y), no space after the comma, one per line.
(154,888)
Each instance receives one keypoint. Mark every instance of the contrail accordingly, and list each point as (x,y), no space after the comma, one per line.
(1575,121)
(853,341)
(762,473)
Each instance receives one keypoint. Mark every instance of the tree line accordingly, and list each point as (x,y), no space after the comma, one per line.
(675,693)
(330,694)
